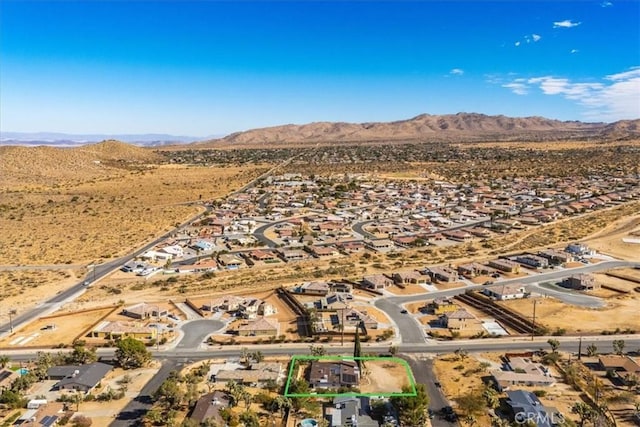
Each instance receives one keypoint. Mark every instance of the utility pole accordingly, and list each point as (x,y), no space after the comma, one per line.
(533,326)
(342,327)
(12,312)
(580,348)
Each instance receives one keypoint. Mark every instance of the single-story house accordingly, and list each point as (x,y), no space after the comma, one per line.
(258,327)
(505,292)
(7,376)
(144,311)
(257,374)
(525,406)
(334,374)
(534,261)
(208,407)
(118,329)
(408,277)
(505,265)
(349,411)
(78,377)
(377,281)
(442,274)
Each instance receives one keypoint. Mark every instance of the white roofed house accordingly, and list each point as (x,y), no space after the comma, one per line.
(506,292)
(408,277)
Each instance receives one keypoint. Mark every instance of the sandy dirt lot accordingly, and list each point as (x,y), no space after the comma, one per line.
(620,312)
(450,370)
(67,328)
(609,240)
(99,218)
(452,285)
(616,283)
(23,289)
(384,376)
(103,413)
(409,289)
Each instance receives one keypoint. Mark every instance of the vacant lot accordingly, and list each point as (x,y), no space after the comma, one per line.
(103,214)
(620,312)
(23,289)
(63,329)
(384,376)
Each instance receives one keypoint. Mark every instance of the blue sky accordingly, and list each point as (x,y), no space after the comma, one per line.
(205,67)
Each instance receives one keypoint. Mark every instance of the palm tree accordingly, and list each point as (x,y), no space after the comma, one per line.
(491,397)
(4,361)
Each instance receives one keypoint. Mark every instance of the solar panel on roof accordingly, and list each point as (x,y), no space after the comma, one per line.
(49,420)
(4,375)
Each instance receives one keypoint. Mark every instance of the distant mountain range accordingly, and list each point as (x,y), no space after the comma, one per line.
(461,127)
(73,140)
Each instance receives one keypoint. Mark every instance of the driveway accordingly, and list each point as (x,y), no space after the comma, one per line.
(422,369)
(566,295)
(197,331)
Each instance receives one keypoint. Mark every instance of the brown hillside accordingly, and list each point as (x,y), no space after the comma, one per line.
(461,127)
(33,165)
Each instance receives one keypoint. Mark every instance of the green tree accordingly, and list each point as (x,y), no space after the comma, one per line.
(257,356)
(12,399)
(491,397)
(249,419)
(618,347)
(81,421)
(592,350)
(299,386)
(583,411)
(412,411)
(317,350)
(154,416)
(169,394)
(554,344)
(81,355)
(131,353)
(471,403)
(235,391)
(4,361)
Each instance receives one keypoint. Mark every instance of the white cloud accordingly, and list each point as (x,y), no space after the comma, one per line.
(567,23)
(457,72)
(517,88)
(535,37)
(613,97)
(517,44)
(606,4)
(574,51)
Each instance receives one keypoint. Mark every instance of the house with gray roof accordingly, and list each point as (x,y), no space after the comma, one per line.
(525,406)
(78,377)
(349,411)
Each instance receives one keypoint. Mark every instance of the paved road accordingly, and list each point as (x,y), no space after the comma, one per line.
(96,273)
(196,331)
(138,407)
(422,369)
(413,332)
(358,228)
(566,295)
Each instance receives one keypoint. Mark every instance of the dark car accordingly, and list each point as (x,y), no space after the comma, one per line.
(403,311)
(437,384)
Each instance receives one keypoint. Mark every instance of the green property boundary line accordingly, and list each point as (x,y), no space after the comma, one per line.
(296,358)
